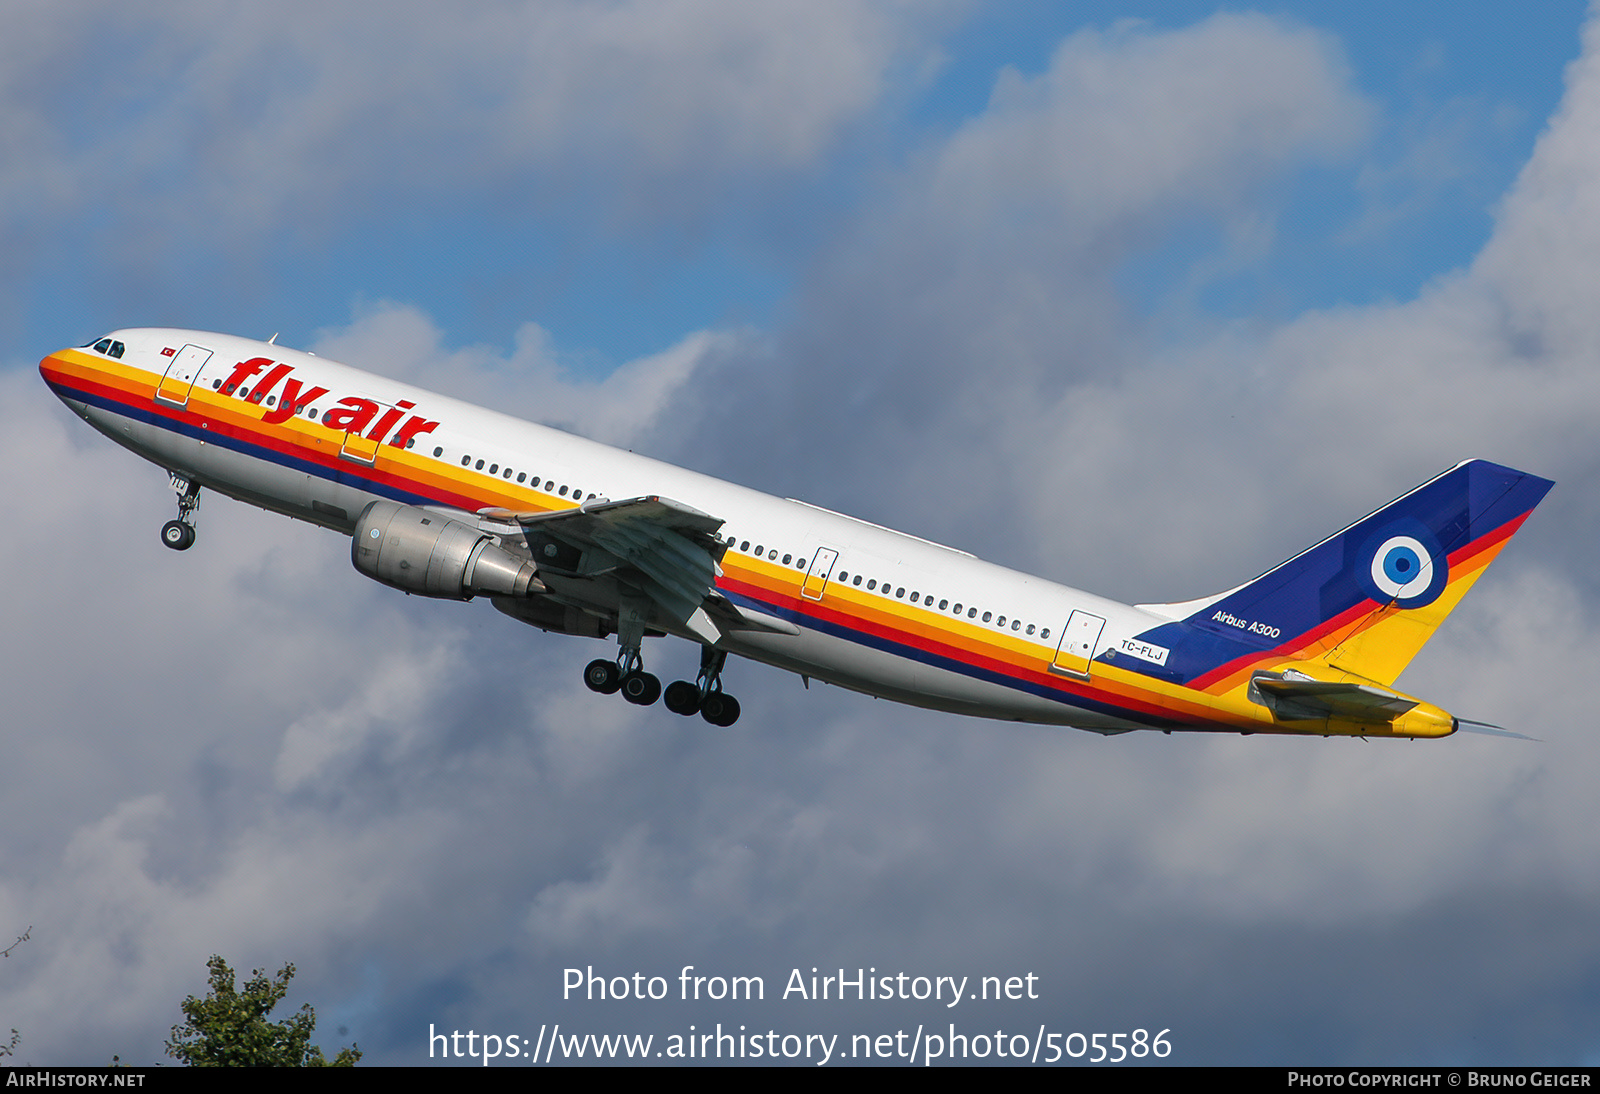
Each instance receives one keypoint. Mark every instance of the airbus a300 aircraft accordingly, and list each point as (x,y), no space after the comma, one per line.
(445,499)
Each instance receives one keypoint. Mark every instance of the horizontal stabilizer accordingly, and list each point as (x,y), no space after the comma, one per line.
(1306,700)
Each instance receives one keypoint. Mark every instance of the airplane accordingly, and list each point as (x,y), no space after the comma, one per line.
(448,500)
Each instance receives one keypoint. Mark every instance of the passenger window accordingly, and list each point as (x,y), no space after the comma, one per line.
(972,613)
(913,598)
(521,475)
(745,546)
(1045,633)
(900,592)
(563,491)
(872,583)
(1015,623)
(856,580)
(787,559)
(1001,621)
(465,460)
(437,452)
(943,604)
(1030,628)
(958,609)
(478,466)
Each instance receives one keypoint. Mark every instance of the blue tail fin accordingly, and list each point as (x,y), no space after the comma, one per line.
(1366,599)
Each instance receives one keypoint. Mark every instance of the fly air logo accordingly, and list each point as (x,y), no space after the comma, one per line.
(351,416)
(1404,564)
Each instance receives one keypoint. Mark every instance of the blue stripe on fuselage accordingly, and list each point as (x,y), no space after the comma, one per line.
(344,476)
(949,664)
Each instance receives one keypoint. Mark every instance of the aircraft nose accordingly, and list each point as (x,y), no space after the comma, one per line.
(50,369)
(57,372)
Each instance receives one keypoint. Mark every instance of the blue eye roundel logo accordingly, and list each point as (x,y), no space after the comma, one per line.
(1404,566)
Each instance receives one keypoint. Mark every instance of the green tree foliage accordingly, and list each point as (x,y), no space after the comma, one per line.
(229,1028)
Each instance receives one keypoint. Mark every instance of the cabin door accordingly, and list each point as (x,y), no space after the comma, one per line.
(821,569)
(1079,640)
(186,365)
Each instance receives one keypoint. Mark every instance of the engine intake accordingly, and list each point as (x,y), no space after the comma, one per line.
(425,553)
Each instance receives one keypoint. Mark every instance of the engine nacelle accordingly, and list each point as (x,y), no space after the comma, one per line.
(427,554)
(547,615)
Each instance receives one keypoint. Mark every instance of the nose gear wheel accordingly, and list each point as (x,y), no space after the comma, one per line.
(179,534)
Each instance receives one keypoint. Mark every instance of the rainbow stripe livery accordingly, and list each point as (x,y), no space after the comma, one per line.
(450,500)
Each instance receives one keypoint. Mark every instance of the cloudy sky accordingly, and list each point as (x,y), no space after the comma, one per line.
(1142,303)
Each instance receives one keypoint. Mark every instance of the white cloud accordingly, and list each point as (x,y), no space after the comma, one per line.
(621,408)
(221,123)
(1130,125)
(971,324)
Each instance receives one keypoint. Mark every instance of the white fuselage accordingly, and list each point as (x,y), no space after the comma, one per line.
(893,616)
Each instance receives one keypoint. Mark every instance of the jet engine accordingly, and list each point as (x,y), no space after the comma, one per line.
(422,552)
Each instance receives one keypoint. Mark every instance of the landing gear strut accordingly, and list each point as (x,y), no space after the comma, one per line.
(627,673)
(705,696)
(179,534)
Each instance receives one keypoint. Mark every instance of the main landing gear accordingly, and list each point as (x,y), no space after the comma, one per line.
(179,534)
(704,697)
(626,675)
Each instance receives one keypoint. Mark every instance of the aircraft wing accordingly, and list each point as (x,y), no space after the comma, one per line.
(1305,700)
(668,550)
(656,510)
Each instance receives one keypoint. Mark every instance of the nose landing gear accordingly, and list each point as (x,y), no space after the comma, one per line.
(179,534)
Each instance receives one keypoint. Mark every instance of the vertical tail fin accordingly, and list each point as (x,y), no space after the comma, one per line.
(1366,599)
